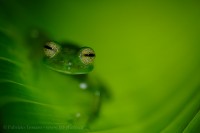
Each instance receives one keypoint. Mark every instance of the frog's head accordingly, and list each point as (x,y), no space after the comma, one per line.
(68,58)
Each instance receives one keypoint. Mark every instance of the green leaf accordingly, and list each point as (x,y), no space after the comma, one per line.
(147,53)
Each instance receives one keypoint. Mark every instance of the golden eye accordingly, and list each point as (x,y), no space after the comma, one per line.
(87,56)
(51,49)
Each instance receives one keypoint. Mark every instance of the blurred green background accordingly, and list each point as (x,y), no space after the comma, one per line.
(147,55)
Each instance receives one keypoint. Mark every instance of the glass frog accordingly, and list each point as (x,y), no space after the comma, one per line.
(61,78)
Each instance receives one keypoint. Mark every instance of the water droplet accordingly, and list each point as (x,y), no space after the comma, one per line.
(69,63)
(83,86)
(78,115)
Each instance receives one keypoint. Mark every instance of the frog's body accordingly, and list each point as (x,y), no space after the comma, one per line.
(61,70)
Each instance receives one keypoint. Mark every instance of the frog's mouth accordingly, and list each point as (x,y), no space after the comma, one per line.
(73,71)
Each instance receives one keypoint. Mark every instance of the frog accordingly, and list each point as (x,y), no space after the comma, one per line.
(68,65)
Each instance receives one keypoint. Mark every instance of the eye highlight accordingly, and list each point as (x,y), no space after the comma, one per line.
(87,56)
(51,49)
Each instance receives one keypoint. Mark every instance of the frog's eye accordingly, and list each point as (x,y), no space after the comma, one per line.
(51,49)
(87,55)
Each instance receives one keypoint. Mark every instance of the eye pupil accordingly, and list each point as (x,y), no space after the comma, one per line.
(48,47)
(89,55)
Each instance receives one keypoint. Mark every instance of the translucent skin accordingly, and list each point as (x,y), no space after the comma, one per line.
(74,86)
(67,60)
